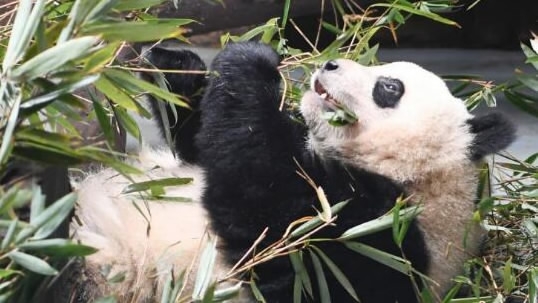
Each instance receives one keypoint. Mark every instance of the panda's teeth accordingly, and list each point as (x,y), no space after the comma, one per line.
(324,95)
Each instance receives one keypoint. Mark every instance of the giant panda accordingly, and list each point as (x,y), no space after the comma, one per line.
(411,138)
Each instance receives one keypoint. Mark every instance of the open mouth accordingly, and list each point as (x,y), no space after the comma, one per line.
(334,112)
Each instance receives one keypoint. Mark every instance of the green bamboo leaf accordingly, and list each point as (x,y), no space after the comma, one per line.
(297,290)
(205,269)
(256,292)
(58,247)
(316,221)
(142,31)
(8,237)
(24,27)
(209,294)
(109,159)
(100,9)
(127,122)
(380,223)
(100,58)
(227,293)
(451,294)
(380,256)
(37,204)
(116,94)
(6,146)
(124,77)
(532,277)
(45,138)
(32,263)
(509,280)
(131,5)
(414,11)
(529,81)
(34,104)
(6,273)
(324,293)
(8,199)
(104,121)
(523,103)
(46,222)
(529,53)
(54,58)
(172,287)
(264,31)
(301,274)
(338,274)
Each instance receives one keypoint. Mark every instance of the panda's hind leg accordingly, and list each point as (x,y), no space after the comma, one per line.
(184,73)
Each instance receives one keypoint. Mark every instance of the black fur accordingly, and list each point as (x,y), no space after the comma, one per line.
(190,87)
(388,92)
(493,132)
(247,148)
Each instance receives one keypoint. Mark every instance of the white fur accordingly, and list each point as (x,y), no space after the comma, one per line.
(422,143)
(146,252)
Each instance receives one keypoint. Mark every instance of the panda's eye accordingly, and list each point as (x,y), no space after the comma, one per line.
(387,92)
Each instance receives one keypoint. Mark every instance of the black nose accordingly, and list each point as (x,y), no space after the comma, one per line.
(330,65)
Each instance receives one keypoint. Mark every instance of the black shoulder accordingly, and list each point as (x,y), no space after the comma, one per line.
(183,122)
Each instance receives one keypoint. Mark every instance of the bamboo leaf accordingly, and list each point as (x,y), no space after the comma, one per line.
(104,121)
(301,274)
(37,204)
(46,222)
(32,263)
(5,273)
(6,146)
(414,11)
(54,58)
(116,94)
(34,104)
(316,221)
(227,293)
(149,30)
(529,53)
(97,61)
(124,77)
(324,294)
(533,284)
(100,9)
(24,27)
(130,5)
(8,237)
(338,274)
(380,256)
(205,269)
(509,281)
(380,223)
(58,247)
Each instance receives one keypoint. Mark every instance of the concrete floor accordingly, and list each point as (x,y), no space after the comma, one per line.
(493,65)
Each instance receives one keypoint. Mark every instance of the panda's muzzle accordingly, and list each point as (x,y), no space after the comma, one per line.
(330,103)
(336,113)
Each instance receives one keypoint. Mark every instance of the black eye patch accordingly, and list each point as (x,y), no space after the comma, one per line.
(387,92)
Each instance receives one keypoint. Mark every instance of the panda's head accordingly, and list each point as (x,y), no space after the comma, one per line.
(398,104)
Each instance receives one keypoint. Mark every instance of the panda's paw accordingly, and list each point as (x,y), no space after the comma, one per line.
(186,84)
(251,60)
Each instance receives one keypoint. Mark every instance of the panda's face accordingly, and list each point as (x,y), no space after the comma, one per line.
(399,94)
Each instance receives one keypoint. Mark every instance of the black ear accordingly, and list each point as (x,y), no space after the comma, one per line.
(493,132)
